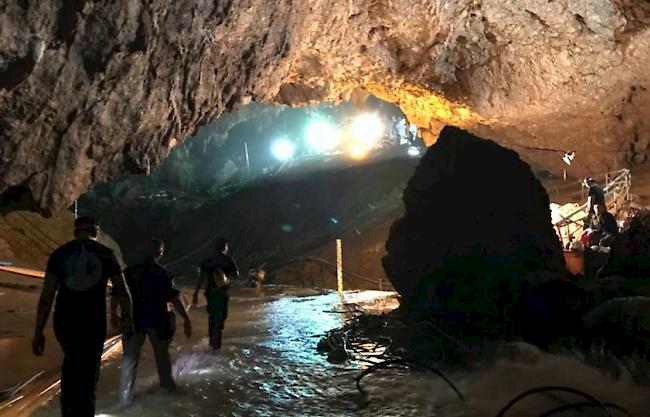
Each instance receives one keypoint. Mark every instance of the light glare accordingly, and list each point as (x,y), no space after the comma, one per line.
(322,136)
(367,128)
(359,151)
(283,149)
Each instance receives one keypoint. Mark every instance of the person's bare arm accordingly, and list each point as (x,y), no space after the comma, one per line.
(45,301)
(199,282)
(590,204)
(121,297)
(180,308)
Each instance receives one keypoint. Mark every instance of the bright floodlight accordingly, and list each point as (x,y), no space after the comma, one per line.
(367,128)
(283,149)
(322,136)
(413,151)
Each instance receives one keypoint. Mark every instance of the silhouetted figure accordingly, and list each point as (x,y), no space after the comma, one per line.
(152,288)
(78,273)
(215,271)
(604,227)
(595,195)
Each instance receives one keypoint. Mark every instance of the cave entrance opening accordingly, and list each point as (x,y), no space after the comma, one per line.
(281,182)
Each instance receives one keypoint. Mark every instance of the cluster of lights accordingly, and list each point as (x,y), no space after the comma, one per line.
(356,140)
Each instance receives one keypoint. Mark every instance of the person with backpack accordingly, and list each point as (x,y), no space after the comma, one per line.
(216,271)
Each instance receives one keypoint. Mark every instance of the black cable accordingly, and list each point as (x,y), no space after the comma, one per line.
(402,362)
(577,406)
(552,388)
(375,367)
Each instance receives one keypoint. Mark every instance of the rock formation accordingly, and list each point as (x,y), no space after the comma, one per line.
(630,253)
(476,235)
(90,90)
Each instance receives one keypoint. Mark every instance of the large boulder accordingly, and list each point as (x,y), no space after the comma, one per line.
(476,238)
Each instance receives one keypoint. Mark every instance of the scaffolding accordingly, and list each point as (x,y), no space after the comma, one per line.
(616,190)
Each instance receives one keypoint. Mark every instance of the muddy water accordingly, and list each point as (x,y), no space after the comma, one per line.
(269,367)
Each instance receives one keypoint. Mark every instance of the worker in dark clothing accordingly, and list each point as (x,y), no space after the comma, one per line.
(595,195)
(256,277)
(604,227)
(77,274)
(215,271)
(152,288)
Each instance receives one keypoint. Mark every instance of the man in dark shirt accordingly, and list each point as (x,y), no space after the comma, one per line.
(216,270)
(77,274)
(595,195)
(152,288)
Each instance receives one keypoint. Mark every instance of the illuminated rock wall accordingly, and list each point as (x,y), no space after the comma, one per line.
(91,90)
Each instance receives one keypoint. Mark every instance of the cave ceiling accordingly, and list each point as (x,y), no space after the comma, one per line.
(92,90)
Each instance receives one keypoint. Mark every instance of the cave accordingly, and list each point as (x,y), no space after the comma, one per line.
(191,121)
(112,88)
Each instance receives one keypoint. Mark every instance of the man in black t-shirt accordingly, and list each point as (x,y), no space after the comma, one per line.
(595,195)
(77,274)
(152,288)
(216,270)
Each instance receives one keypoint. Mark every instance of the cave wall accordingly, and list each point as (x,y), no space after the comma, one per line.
(90,90)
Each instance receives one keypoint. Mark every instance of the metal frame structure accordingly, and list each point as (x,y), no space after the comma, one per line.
(616,190)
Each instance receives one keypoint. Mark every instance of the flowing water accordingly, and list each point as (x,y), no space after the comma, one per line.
(269,366)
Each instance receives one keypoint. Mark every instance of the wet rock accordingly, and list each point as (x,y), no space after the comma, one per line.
(338,356)
(476,240)
(323,346)
(622,324)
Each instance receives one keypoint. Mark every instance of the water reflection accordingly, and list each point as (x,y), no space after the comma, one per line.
(268,366)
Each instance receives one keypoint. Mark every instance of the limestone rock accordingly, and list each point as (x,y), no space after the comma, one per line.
(476,234)
(91,90)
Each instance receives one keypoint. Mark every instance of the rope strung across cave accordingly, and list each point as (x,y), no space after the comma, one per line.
(321,262)
(209,241)
(539,148)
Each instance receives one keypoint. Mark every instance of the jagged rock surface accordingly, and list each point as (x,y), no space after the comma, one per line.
(475,237)
(90,90)
(630,253)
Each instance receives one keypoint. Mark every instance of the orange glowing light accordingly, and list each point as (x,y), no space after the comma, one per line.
(358,151)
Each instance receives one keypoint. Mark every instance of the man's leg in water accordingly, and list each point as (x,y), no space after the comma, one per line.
(163,361)
(216,330)
(211,324)
(80,372)
(131,345)
(219,335)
